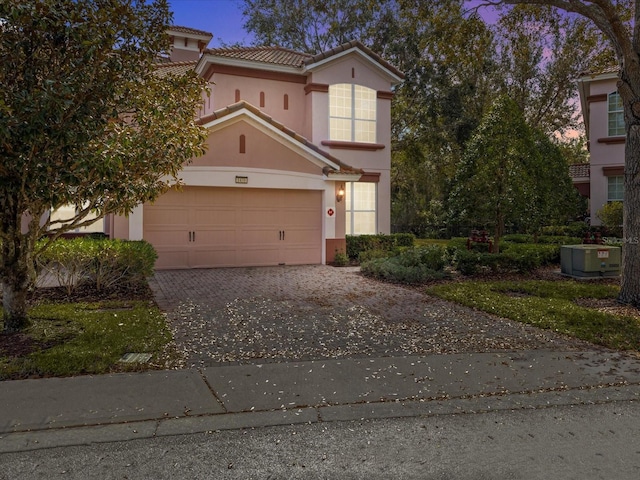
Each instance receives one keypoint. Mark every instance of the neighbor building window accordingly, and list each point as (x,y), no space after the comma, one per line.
(67,212)
(615,189)
(360,204)
(352,113)
(616,115)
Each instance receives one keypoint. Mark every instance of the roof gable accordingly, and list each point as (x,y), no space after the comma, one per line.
(358,48)
(244,110)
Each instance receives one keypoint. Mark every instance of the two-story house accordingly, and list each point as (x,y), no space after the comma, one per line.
(298,156)
(604,124)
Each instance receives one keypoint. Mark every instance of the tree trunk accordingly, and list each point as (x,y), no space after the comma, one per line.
(15,281)
(630,282)
(497,234)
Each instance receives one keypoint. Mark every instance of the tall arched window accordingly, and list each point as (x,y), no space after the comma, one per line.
(352,113)
(616,115)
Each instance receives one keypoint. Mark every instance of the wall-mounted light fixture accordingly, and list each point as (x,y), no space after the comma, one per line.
(340,194)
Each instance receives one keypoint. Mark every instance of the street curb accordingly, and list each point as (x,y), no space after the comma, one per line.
(209,424)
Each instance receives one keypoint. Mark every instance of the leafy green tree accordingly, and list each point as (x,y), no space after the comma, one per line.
(313,26)
(618,23)
(510,174)
(83,121)
(539,56)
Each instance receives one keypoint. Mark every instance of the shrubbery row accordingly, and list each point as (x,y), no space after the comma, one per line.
(357,244)
(420,264)
(103,263)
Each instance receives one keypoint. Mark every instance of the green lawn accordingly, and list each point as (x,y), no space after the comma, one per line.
(85,338)
(550,305)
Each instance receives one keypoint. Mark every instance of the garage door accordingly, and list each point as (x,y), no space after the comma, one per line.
(229,227)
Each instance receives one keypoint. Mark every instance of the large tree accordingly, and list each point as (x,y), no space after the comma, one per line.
(314,26)
(511,173)
(619,23)
(83,121)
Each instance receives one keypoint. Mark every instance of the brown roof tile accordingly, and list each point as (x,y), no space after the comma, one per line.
(223,112)
(610,69)
(579,170)
(187,30)
(273,55)
(174,68)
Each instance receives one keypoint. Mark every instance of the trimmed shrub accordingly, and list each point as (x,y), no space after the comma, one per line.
(368,255)
(105,263)
(514,257)
(357,244)
(518,238)
(67,262)
(415,265)
(559,240)
(611,216)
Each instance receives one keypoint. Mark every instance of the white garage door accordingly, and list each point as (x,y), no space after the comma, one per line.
(232,227)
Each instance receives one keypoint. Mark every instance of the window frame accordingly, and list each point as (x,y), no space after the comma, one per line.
(615,116)
(357,103)
(618,181)
(351,212)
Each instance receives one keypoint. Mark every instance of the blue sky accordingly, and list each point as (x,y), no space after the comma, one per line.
(223,18)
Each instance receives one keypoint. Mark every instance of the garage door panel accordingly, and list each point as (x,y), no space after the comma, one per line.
(220,256)
(155,215)
(301,255)
(235,227)
(213,216)
(172,258)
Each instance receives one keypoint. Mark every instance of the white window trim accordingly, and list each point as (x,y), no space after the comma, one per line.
(610,113)
(350,214)
(352,118)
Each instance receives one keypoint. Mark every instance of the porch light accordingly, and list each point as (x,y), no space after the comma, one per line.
(340,194)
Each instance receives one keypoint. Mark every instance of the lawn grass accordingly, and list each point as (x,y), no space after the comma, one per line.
(550,305)
(86,338)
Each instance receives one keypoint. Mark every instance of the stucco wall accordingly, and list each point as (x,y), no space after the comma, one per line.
(603,152)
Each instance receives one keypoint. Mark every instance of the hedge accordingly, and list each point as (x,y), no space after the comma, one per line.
(414,265)
(101,262)
(356,244)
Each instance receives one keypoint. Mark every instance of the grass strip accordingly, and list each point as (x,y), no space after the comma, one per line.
(86,338)
(549,305)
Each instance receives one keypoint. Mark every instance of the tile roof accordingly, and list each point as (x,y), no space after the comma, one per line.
(174,68)
(223,112)
(355,44)
(579,170)
(273,55)
(602,71)
(291,58)
(193,31)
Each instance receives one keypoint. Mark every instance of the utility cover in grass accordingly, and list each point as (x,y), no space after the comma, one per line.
(135,358)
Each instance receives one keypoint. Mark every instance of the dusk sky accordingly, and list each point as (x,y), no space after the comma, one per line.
(223,18)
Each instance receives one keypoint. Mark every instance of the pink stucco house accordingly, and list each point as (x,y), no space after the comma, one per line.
(299,154)
(603,177)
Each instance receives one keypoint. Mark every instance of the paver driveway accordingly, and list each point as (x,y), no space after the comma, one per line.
(249,315)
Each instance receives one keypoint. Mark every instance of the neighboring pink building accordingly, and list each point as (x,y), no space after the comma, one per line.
(299,154)
(604,123)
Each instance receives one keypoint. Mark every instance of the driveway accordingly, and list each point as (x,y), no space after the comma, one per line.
(266,314)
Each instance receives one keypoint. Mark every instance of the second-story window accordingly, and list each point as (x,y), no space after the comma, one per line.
(616,115)
(352,113)
(615,189)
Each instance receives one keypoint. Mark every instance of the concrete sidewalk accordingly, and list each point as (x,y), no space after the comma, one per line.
(53,412)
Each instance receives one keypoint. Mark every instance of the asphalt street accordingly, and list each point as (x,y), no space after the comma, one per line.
(597,441)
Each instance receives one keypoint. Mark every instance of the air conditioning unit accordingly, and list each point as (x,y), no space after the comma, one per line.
(590,260)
